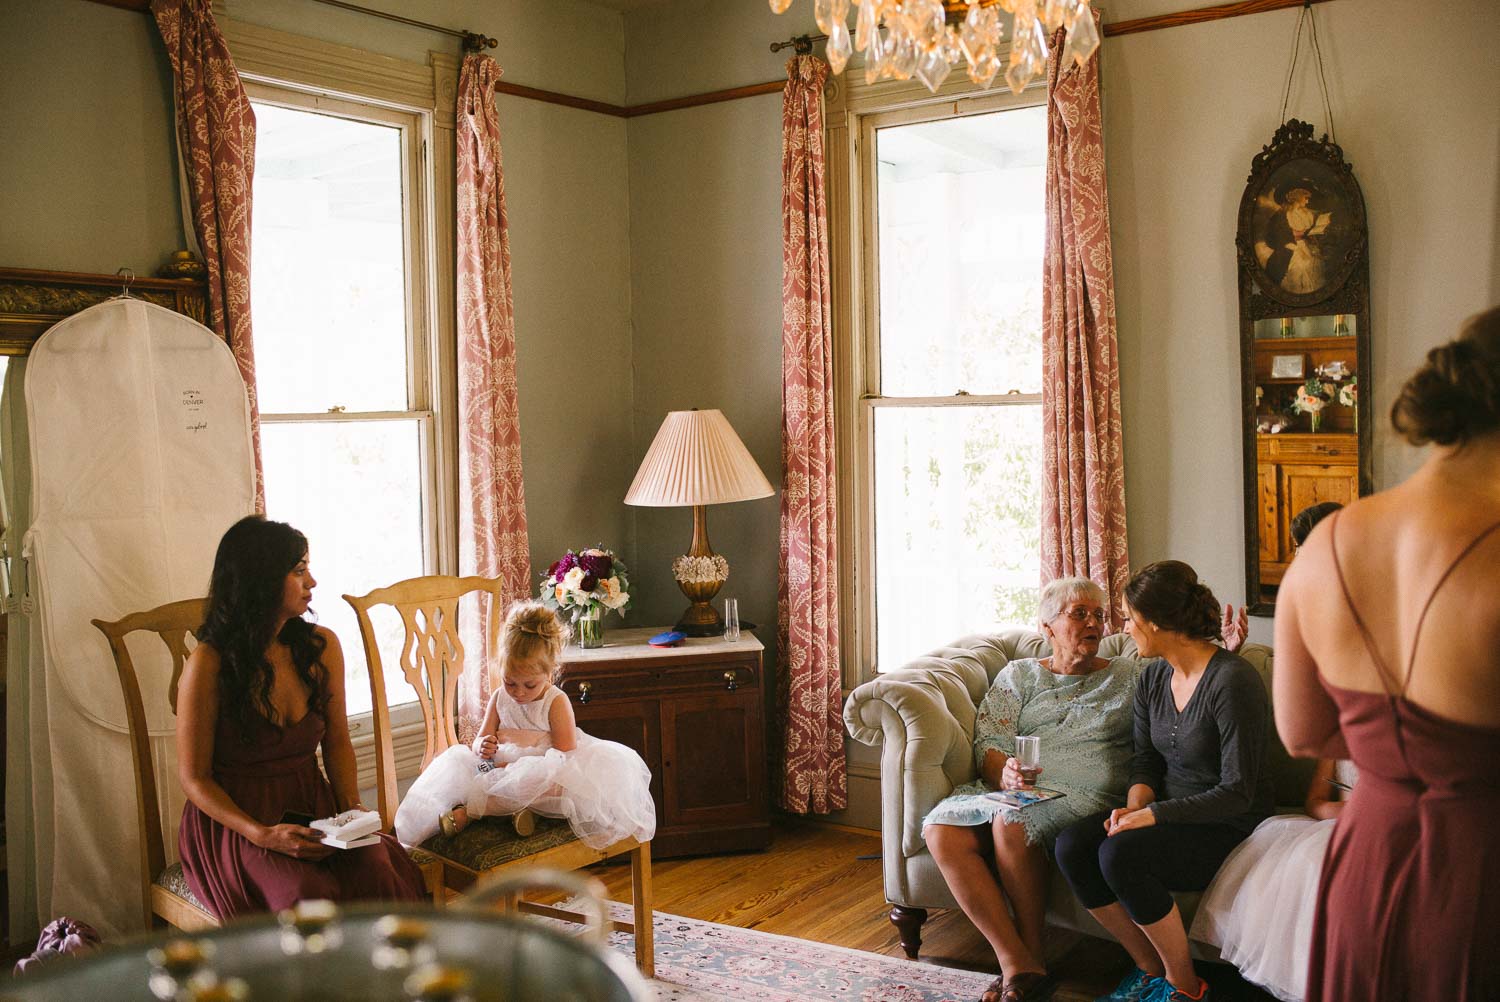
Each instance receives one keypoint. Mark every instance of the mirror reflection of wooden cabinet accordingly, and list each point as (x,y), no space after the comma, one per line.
(1304,335)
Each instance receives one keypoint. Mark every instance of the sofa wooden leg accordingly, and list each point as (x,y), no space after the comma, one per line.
(908,923)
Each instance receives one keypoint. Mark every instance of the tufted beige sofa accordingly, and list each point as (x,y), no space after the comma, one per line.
(923,716)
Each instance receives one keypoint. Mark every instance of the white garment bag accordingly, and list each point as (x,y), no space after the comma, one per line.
(140,459)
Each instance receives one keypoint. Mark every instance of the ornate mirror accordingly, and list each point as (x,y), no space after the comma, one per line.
(1304,288)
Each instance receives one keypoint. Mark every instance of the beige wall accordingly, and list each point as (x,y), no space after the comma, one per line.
(87,180)
(1186,109)
(88,183)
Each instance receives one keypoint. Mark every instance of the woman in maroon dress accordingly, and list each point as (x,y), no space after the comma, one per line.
(260,693)
(1388,652)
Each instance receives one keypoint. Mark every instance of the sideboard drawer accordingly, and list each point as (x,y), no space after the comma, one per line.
(1300,446)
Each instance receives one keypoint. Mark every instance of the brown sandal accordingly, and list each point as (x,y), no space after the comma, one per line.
(992,993)
(1030,986)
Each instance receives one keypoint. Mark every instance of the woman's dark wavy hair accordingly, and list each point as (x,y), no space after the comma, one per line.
(1169,594)
(1455,396)
(244,595)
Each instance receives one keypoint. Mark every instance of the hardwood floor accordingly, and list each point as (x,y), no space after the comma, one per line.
(812,884)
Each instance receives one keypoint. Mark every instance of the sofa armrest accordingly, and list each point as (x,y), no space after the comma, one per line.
(927,751)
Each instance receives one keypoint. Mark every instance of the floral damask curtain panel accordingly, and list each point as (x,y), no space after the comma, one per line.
(807,626)
(492,538)
(1083,483)
(216,150)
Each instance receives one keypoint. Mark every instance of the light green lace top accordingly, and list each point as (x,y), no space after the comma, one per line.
(1084,722)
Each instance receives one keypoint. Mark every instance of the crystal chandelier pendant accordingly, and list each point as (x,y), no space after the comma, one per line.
(839,47)
(933,69)
(1083,36)
(904,63)
(864,25)
(985,70)
(823,14)
(780,6)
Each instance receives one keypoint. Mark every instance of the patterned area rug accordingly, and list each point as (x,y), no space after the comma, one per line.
(704,962)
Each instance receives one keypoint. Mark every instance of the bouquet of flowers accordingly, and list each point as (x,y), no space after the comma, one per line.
(586,584)
(1312,397)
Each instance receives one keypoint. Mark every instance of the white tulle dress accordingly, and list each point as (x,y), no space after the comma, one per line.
(1259,909)
(601,788)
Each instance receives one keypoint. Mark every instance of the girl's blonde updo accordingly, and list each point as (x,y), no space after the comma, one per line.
(532,635)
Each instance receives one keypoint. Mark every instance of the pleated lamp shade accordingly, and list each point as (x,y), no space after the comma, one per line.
(696,459)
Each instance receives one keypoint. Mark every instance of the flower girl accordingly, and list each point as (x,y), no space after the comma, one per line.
(530,755)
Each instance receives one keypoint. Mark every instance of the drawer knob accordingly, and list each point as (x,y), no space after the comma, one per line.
(585,691)
(731,681)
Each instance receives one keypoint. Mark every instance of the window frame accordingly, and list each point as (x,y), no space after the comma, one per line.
(295,67)
(853,112)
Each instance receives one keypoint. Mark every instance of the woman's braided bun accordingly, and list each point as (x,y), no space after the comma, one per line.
(1455,396)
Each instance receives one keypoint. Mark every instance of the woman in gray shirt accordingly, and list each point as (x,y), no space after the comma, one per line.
(1198,784)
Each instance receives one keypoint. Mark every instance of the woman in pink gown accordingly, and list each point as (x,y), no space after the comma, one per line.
(262,691)
(1388,652)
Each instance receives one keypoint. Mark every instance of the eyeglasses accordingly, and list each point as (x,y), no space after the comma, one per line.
(1079,615)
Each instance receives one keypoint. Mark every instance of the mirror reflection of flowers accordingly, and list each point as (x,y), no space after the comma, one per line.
(1312,397)
(1349,392)
(587,582)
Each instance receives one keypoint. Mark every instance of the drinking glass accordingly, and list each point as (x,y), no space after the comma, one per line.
(731,619)
(1029,757)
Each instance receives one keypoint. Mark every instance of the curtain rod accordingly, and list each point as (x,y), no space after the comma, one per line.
(472,40)
(803,44)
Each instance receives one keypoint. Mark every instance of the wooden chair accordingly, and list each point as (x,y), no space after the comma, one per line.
(165,894)
(432,658)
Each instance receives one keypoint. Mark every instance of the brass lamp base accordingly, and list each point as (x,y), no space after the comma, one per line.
(700,573)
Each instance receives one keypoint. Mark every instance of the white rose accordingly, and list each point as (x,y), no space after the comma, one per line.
(613,596)
(572,579)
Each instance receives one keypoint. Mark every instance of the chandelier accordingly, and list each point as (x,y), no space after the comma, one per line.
(902,39)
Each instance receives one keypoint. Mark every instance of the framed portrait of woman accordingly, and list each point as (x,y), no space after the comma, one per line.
(1302,219)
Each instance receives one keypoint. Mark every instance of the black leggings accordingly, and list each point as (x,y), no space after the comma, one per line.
(1141,867)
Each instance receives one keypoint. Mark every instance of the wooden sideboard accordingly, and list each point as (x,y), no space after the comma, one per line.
(696,714)
(1296,471)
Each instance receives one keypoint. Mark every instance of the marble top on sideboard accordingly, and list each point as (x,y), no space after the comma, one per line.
(631,643)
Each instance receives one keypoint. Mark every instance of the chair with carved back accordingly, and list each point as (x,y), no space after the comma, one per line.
(432,658)
(165,892)
(165,895)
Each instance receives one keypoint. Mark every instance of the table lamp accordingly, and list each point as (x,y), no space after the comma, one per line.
(696,459)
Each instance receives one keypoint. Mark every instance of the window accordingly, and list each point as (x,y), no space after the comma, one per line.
(343,351)
(951,420)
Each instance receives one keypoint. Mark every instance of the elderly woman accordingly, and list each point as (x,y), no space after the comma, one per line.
(1079,705)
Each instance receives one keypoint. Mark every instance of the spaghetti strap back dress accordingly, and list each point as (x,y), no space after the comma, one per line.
(1409,900)
(267,773)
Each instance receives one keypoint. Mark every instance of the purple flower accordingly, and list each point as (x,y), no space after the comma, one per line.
(597,565)
(563,566)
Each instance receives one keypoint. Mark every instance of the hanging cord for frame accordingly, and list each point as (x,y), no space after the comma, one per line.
(1286,92)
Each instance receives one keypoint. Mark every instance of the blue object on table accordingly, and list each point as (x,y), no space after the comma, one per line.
(669,639)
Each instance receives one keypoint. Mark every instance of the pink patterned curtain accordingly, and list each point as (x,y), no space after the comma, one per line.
(492,538)
(807,622)
(1083,486)
(216,139)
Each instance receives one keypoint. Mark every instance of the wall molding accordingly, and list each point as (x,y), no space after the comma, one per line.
(1199,15)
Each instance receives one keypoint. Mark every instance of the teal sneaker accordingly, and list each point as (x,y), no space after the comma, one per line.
(1132,987)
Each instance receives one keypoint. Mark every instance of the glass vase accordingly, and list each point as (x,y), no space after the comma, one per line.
(591,629)
(1317,419)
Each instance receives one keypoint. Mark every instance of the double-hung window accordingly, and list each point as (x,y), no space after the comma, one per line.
(949,464)
(345,369)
